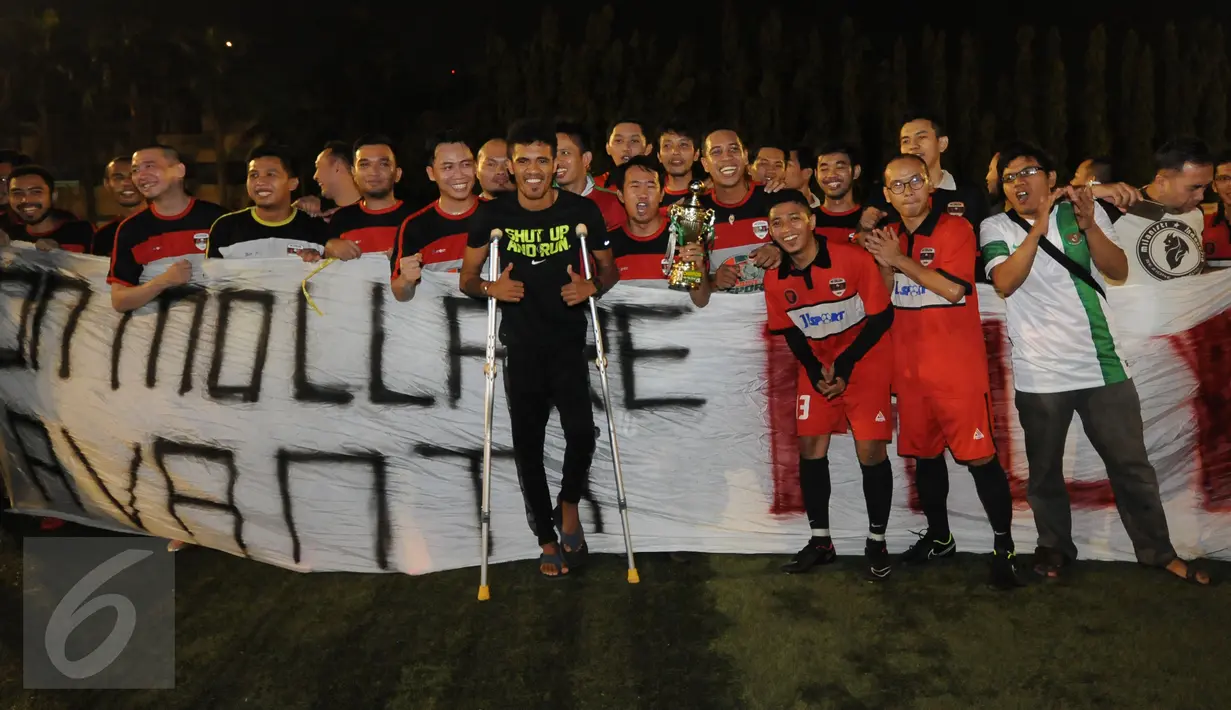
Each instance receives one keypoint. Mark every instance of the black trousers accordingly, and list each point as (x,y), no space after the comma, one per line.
(537,378)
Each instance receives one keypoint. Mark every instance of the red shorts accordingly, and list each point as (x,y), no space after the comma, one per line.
(865,405)
(926,425)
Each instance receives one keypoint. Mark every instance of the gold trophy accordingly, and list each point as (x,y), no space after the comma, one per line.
(690,224)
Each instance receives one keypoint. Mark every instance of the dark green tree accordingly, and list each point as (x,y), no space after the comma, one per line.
(1129,62)
(1142,128)
(1024,86)
(854,79)
(1093,109)
(1054,102)
(963,116)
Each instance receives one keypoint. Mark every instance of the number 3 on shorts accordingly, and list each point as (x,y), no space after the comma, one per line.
(805,403)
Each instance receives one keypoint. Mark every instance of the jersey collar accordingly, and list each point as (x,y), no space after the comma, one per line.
(822,261)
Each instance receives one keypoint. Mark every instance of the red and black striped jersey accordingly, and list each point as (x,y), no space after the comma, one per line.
(147,239)
(670,197)
(837,227)
(104,238)
(439,236)
(244,234)
(739,228)
(641,258)
(73,235)
(372,230)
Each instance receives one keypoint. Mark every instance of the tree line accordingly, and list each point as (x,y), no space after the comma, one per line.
(93,83)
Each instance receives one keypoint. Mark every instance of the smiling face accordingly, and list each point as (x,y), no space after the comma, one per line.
(332,174)
(792,226)
(154,172)
(724,158)
(641,195)
(835,174)
(376,171)
(30,198)
(1222,183)
(919,138)
(769,164)
(452,170)
(119,183)
(533,167)
(572,165)
(1026,185)
(269,185)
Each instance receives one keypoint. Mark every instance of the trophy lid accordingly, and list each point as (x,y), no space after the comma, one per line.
(695,189)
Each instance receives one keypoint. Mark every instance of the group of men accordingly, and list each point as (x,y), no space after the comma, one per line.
(876,298)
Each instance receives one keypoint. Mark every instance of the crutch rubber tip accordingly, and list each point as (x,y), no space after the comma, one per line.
(633,577)
(485,593)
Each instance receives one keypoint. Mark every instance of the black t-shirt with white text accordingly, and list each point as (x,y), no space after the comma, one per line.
(541,245)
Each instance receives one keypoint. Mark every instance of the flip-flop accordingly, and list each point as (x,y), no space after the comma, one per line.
(1190,575)
(557,559)
(573,546)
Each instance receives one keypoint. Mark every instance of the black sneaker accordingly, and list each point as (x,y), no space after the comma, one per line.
(1004,571)
(877,555)
(814,553)
(928,548)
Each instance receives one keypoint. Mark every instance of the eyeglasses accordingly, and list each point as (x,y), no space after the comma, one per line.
(1023,173)
(916,183)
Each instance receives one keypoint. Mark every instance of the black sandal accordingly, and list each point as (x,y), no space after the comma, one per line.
(573,546)
(1190,575)
(1049,563)
(553,558)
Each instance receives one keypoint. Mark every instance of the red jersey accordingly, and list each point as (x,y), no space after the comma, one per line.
(609,204)
(372,230)
(1217,237)
(939,349)
(739,228)
(670,197)
(641,258)
(439,236)
(837,227)
(146,239)
(829,302)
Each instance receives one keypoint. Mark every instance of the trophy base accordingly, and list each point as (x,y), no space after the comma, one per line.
(685,286)
(685,277)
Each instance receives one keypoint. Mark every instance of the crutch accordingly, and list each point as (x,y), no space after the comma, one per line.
(601,361)
(489,396)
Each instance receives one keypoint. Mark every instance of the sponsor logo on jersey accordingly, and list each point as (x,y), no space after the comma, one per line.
(978,434)
(957,209)
(750,276)
(927,255)
(822,320)
(809,320)
(837,286)
(1169,249)
(760,228)
(200,240)
(880,417)
(790,296)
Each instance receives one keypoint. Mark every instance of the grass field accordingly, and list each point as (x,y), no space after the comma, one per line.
(719,632)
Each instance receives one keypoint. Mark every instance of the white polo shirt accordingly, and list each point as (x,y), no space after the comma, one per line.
(1060,329)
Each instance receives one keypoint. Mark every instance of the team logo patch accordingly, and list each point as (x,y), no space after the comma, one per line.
(200,240)
(880,417)
(837,286)
(927,255)
(790,296)
(851,237)
(957,209)
(760,228)
(1169,249)
(978,434)
(731,219)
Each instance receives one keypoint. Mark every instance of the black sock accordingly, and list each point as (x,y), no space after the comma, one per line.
(992,484)
(815,486)
(932,483)
(878,495)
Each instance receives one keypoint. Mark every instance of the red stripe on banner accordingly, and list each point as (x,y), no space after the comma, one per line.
(998,369)
(782,376)
(1206,352)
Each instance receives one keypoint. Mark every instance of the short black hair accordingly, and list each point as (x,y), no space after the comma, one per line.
(636,121)
(1100,166)
(772,146)
(644,162)
(275,150)
(374,139)
(1021,149)
(529,131)
(1223,158)
(803,156)
(1177,152)
(783,197)
(722,127)
(906,156)
(114,159)
(170,153)
(679,128)
(576,132)
(444,137)
(14,158)
(340,150)
(834,147)
(916,114)
(32,169)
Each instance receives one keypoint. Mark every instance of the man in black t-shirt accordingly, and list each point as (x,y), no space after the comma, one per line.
(271,227)
(31,190)
(543,296)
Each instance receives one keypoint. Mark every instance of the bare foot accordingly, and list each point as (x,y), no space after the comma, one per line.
(1179,568)
(175,545)
(552,569)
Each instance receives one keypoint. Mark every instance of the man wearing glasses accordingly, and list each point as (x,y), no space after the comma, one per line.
(940,362)
(1217,234)
(1051,261)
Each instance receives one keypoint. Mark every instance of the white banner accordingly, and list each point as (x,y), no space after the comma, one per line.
(232,415)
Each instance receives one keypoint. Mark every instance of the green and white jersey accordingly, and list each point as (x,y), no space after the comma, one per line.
(1060,328)
(1160,245)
